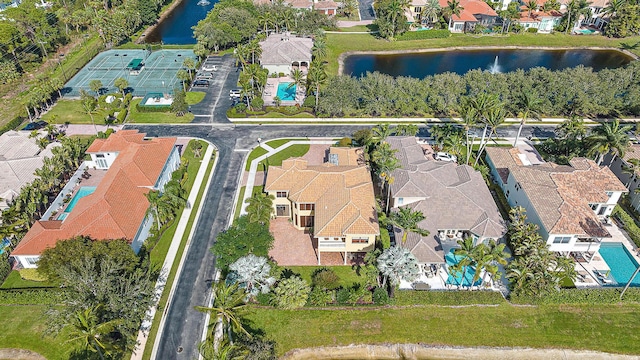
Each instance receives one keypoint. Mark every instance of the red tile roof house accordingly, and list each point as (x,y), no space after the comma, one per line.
(473,12)
(117,208)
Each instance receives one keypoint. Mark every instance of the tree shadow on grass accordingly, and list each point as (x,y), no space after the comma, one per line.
(629,46)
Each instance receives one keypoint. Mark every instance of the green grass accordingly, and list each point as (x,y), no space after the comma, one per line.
(194,97)
(255,153)
(359,28)
(347,275)
(71,111)
(296,150)
(256,190)
(616,328)
(339,43)
(275,115)
(277,143)
(155,117)
(23,328)
(14,281)
(174,268)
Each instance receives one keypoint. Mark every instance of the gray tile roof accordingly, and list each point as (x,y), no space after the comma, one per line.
(283,49)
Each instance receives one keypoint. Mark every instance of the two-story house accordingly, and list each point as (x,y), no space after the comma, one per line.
(624,170)
(334,201)
(569,203)
(454,199)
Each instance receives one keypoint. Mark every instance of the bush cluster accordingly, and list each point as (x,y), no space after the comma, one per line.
(581,296)
(628,224)
(162,108)
(427,34)
(411,297)
(32,297)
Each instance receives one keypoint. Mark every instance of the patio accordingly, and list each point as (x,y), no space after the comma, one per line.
(271,91)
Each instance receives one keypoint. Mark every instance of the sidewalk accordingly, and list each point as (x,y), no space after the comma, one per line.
(168,261)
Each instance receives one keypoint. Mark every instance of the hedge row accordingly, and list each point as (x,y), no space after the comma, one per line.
(160,108)
(32,297)
(582,296)
(425,34)
(628,224)
(11,125)
(412,297)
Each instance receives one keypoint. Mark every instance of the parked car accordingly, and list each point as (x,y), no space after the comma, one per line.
(36,125)
(209,67)
(204,76)
(443,156)
(201,83)
(235,93)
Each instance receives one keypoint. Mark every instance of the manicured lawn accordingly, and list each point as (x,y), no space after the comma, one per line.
(339,43)
(194,97)
(347,275)
(359,28)
(155,117)
(255,153)
(273,114)
(14,281)
(277,143)
(71,111)
(23,328)
(595,327)
(296,150)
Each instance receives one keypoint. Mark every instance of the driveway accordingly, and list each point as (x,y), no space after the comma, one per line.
(213,108)
(366,10)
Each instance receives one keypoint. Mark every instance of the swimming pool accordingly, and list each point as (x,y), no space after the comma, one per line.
(82,192)
(286,93)
(456,277)
(620,261)
(4,244)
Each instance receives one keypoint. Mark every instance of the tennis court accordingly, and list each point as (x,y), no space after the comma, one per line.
(144,70)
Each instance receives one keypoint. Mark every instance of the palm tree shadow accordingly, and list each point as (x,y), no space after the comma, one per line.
(628,46)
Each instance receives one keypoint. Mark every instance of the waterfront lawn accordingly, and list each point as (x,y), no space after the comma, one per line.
(616,327)
(71,111)
(339,43)
(23,328)
(138,117)
(296,150)
(348,275)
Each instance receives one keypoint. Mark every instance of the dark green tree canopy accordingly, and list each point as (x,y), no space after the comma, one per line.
(242,238)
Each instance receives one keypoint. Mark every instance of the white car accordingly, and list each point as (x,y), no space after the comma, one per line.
(234,93)
(443,156)
(209,67)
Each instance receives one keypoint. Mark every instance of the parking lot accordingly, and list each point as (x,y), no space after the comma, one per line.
(221,78)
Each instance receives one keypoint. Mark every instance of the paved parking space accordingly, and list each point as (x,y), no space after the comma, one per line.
(213,108)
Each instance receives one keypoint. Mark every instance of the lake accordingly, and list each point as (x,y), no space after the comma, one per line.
(176,28)
(420,65)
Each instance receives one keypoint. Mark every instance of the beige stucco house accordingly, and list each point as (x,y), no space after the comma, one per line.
(334,201)
(282,53)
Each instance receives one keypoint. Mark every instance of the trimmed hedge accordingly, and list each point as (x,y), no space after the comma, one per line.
(582,296)
(32,297)
(628,224)
(161,108)
(426,34)
(11,125)
(412,297)
(385,239)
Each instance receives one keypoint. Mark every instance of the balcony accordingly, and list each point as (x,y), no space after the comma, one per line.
(331,245)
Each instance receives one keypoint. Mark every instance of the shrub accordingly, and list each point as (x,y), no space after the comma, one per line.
(122,115)
(5,267)
(127,99)
(11,125)
(532,30)
(343,296)
(410,297)
(32,297)
(385,239)
(309,101)
(32,275)
(628,224)
(161,108)
(240,107)
(380,296)
(257,103)
(255,113)
(581,296)
(264,299)
(291,293)
(325,278)
(320,297)
(427,34)
(344,142)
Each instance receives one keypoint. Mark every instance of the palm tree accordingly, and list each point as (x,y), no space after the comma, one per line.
(381,132)
(385,162)
(228,303)
(631,168)
(408,220)
(298,79)
(613,7)
(609,137)
(395,264)
(95,86)
(223,351)
(89,105)
(153,197)
(190,64)
(252,273)
(319,49)
(316,77)
(529,105)
(121,84)
(86,327)
(577,7)
(184,77)
(254,49)
(469,119)
(531,5)
(495,118)
(260,208)
(453,8)
(572,128)
(494,255)
(454,144)
(469,254)
(430,11)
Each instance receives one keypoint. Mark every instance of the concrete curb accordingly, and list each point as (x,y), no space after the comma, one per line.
(413,120)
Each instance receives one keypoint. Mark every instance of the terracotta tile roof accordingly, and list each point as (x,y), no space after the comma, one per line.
(537,16)
(325,5)
(118,206)
(343,195)
(560,194)
(300,4)
(348,156)
(471,8)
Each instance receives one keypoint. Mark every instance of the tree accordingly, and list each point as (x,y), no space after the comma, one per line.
(179,105)
(531,5)
(89,105)
(529,105)
(86,328)
(430,11)
(385,162)
(469,256)
(122,84)
(631,168)
(157,207)
(227,308)
(576,8)
(251,273)
(390,17)
(396,264)
(613,7)
(190,64)
(495,118)
(298,79)
(242,238)
(319,49)
(407,130)
(184,77)
(607,138)
(625,22)
(316,77)
(453,8)
(95,86)
(260,208)
(381,132)
(408,220)
(291,293)
(469,119)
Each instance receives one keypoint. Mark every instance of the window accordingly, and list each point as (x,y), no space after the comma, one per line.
(102,163)
(32,260)
(307,206)
(306,221)
(281,194)
(359,240)
(561,239)
(609,193)
(594,207)
(602,210)
(417,9)
(518,187)
(400,201)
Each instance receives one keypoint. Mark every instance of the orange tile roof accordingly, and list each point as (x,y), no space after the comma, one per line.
(118,206)
(343,195)
(471,8)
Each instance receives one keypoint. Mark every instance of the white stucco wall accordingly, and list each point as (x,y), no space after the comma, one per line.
(276,69)
(172,164)
(109,157)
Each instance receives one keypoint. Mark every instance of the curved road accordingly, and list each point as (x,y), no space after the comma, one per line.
(184,325)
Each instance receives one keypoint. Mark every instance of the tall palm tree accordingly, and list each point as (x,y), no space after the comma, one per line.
(572,128)
(228,304)
(86,328)
(611,138)
(153,197)
(90,106)
(613,7)
(577,8)
(481,104)
(408,220)
(469,254)
(494,255)
(254,49)
(319,49)
(316,77)
(184,77)
(385,162)
(260,208)
(453,8)
(632,168)
(381,132)
(531,5)
(430,11)
(529,108)
(495,118)
(469,119)
(190,65)
(298,79)
(454,144)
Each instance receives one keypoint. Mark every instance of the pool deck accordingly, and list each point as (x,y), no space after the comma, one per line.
(271,91)
(72,187)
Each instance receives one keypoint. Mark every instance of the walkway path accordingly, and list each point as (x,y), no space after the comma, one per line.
(251,179)
(171,255)
(347,24)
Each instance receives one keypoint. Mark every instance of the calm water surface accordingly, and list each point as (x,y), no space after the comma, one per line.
(420,65)
(176,28)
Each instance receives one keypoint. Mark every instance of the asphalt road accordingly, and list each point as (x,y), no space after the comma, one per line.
(184,325)
(366,10)
(213,108)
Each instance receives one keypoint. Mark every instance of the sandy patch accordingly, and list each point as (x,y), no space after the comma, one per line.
(20,354)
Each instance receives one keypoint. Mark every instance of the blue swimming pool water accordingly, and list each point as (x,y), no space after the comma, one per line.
(621,262)
(286,94)
(82,192)
(456,277)
(3,244)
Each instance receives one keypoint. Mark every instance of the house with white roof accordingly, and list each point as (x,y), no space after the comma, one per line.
(282,53)
(569,203)
(454,199)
